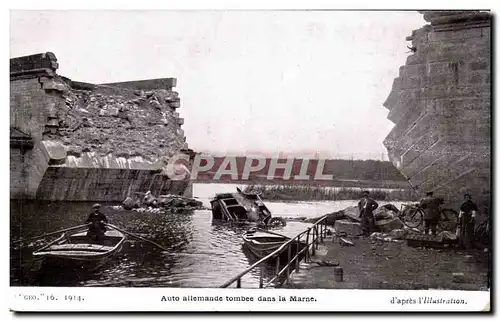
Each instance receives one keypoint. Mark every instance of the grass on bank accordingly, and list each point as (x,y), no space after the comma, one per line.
(313,193)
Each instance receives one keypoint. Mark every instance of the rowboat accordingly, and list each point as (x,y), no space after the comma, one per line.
(261,243)
(77,250)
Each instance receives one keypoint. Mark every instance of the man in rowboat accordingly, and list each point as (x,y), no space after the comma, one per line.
(96,220)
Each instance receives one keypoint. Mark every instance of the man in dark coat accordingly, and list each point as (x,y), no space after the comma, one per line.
(96,222)
(466,222)
(366,207)
(430,205)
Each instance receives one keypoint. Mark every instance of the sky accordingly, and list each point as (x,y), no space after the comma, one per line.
(290,82)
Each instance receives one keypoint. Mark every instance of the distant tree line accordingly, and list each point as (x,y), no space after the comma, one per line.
(363,170)
(341,169)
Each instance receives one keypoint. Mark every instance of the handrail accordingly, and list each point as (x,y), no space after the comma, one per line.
(313,227)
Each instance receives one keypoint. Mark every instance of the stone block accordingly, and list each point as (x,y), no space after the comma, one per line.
(55,152)
(458,277)
(52,85)
(479,65)
(348,227)
(389,225)
(175,103)
(109,111)
(150,84)
(156,104)
(352,213)
(398,233)
(469,259)
(461,34)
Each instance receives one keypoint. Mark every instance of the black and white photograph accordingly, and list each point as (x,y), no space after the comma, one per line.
(283,150)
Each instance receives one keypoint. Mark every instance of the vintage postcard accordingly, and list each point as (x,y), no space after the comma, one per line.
(250,160)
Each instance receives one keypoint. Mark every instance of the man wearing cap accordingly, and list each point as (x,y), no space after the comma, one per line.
(96,222)
(366,207)
(430,205)
(466,222)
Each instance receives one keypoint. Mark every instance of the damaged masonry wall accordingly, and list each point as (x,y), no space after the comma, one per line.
(84,142)
(441,107)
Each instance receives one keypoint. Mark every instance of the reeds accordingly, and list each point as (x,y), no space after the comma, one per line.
(316,193)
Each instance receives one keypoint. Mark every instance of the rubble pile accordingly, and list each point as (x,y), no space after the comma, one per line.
(121,121)
(442,239)
(396,235)
(179,202)
(164,203)
(330,220)
(350,223)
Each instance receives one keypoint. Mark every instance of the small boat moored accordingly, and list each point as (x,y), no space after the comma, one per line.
(77,250)
(262,243)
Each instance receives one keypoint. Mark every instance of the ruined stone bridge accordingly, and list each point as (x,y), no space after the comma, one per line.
(77,141)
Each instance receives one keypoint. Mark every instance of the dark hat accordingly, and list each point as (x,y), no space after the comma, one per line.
(429,193)
(366,192)
(96,206)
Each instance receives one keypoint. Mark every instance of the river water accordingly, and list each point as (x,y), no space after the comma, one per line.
(208,252)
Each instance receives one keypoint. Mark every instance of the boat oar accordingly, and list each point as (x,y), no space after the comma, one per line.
(154,243)
(49,234)
(137,236)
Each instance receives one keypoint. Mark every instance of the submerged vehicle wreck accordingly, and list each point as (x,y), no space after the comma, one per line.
(242,207)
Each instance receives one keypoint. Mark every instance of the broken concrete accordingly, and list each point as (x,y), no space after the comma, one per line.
(348,227)
(383,213)
(352,213)
(388,225)
(330,220)
(398,233)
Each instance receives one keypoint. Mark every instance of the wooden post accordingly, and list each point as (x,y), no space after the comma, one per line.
(288,261)
(278,266)
(307,245)
(313,241)
(317,238)
(261,280)
(338,274)
(297,261)
(238,283)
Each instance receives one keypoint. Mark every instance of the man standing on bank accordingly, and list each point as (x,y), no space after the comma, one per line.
(366,207)
(466,222)
(430,205)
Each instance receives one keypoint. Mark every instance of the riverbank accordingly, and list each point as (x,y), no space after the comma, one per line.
(313,193)
(372,264)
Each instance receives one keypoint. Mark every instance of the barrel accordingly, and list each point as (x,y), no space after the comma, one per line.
(338,273)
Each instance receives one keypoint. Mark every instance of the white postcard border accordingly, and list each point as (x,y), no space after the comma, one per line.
(149,299)
(236,300)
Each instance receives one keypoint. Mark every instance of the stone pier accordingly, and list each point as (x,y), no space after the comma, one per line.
(441,107)
(76,141)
